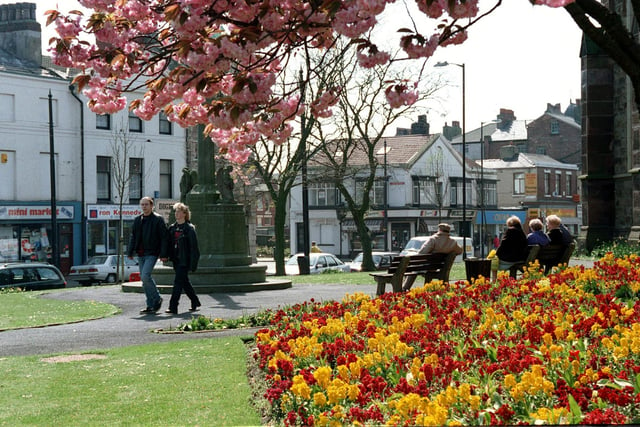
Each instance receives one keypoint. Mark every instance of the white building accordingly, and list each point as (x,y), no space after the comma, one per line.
(84,159)
(424,188)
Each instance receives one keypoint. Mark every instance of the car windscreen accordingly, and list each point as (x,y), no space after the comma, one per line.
(96,260)
(294,259)
(358,258)
(414,244)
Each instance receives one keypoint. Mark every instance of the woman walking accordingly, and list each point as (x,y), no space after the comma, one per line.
(184,255)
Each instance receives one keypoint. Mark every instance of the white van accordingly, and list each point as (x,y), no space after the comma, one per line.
(414,245)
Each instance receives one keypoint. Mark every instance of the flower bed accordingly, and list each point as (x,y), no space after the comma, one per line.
(564,348)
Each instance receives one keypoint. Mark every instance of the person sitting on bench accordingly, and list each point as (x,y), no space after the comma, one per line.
(513,247)
(440,243)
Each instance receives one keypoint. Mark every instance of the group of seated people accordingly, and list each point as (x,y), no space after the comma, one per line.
(514,245)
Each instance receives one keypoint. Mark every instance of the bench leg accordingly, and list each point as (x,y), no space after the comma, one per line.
(381,287)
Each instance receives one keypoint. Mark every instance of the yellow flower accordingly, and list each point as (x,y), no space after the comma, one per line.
(300,387)
(322,376)
(319,399)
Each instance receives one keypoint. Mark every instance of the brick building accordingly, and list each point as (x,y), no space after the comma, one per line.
(610,147)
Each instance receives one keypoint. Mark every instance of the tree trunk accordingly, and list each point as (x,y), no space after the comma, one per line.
(365,241)
(279,226)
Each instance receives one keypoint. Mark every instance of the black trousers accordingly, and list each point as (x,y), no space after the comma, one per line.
(181,282)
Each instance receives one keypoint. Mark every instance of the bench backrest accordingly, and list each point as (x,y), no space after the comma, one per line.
(424,262)
(433,266)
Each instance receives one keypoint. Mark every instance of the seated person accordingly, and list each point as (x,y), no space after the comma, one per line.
(558,233)
(537,236)
(559,236)
(440,243)
(513,246)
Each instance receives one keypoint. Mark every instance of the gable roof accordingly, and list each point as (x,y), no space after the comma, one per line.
(402,151)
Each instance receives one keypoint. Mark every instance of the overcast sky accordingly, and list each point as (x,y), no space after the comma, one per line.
(521,58)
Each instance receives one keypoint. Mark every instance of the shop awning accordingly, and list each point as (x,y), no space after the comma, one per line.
(373,224)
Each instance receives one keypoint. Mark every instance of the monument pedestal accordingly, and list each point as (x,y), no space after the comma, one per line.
(225,263)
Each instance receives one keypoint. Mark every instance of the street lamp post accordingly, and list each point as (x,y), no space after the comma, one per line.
(385,220)
(464,159)
(482,219)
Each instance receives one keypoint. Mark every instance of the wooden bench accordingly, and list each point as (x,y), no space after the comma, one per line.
(548,256)
(431,266)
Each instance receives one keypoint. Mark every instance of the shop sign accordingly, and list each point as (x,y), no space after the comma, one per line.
(499,217)
(26,212)
(164,206)
(112,212)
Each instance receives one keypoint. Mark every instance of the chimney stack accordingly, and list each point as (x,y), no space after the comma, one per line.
(20,32)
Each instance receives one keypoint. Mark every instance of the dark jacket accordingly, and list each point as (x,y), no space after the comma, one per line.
(184,245)
(513,246)
(150,237)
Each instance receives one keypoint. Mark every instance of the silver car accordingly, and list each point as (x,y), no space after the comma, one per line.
(318,263)
(102,268)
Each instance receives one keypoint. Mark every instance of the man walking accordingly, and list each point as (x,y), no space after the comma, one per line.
(149,241)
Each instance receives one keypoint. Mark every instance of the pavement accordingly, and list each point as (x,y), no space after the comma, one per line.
(129,327)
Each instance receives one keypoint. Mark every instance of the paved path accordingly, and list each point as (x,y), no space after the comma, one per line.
(130,327)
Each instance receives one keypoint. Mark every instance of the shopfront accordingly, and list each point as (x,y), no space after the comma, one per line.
(103,225)
(26,233)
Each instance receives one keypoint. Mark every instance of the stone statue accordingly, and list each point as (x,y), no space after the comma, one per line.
(187,182)
(224,182)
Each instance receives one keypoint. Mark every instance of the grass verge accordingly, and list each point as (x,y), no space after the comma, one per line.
(30,310)
(193,382)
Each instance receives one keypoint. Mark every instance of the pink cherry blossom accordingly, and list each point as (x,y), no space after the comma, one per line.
(554,3)
(219,63)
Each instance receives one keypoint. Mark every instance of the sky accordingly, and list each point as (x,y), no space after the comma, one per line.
(521,57)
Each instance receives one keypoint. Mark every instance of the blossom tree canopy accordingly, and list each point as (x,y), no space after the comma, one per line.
(216,62)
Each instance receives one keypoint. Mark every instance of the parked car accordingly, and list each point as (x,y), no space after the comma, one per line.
(102,268)
(31,276)
(414,245)
(382,260)
(318,263)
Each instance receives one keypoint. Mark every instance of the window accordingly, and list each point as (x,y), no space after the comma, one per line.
(135,123)
(103,178)
(165,124)
(376,196)
(135,178)
(457,193)
(555,127)
(541,150)
(547,183)
(490,194)
(103,121)
(558,190)
(427,191)
(568,189)
(518,183)
(166,178)
(323,194)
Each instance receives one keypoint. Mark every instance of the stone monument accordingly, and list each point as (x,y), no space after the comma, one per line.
(225,262)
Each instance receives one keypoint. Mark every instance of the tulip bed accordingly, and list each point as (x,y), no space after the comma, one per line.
(556,349)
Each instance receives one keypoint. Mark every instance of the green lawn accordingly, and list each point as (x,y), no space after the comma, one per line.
(28,310)
(194,382)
